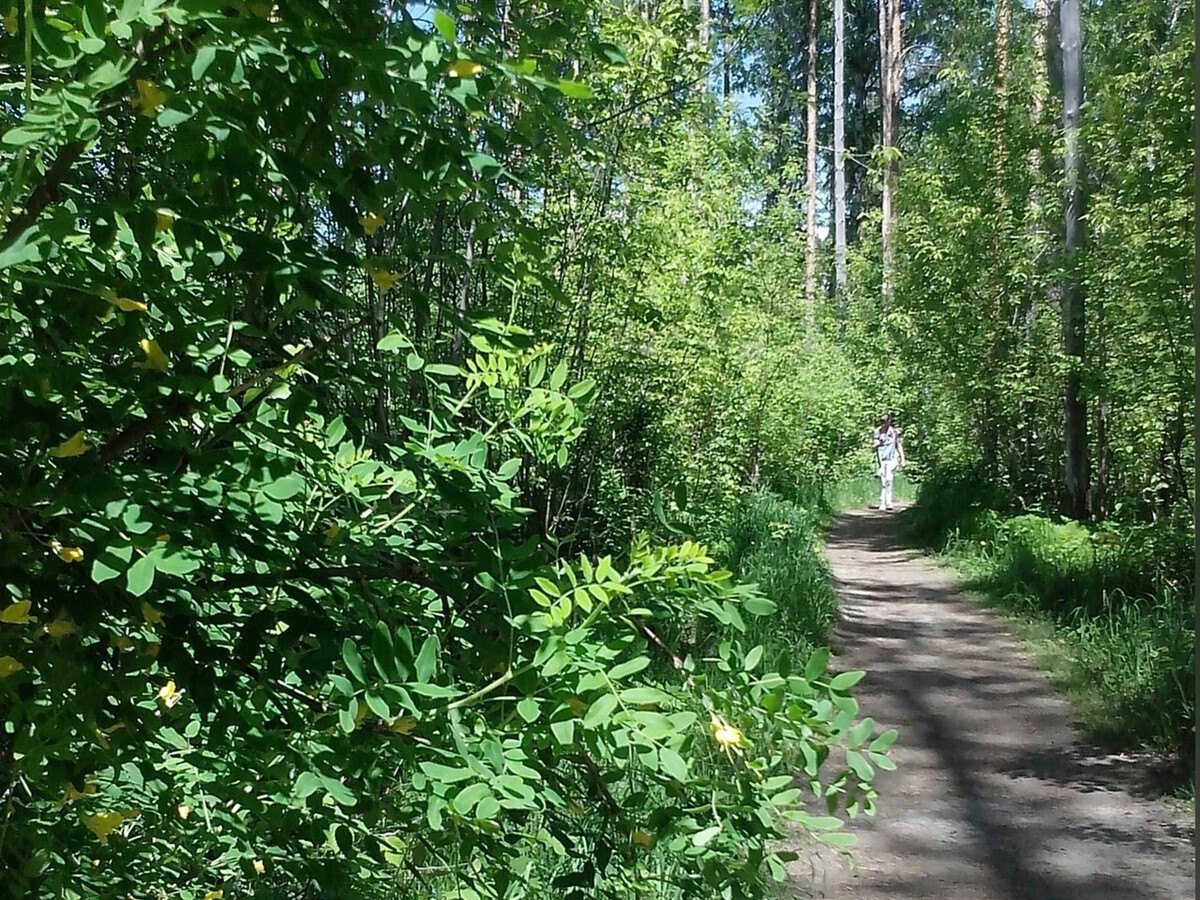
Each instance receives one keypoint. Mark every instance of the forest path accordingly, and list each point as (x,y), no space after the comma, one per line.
(995,797)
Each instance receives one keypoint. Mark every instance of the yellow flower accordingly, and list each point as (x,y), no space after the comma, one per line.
(371,223)
(642,838)
(259,867)
(150,97)
(383,278)
(404,725)
(155,358)
(69,554)
(60,627)
(72,446)
(17,614)
(184,811)
(726,736)
(464,68)
(169,695)
(128,305)
(103,823)
(214,895)
(8,666)
(150,614)
(70,795)
(331,533)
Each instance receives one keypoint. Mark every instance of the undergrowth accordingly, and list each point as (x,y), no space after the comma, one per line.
(1117,598)
(775,542)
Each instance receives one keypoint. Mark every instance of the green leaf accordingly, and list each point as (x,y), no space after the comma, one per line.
(860,732)
(705,837)
(564,731)
(816,664)
(204,58)
(529,709)
(583,389)
(859,765)
(629,667)
(341,794)
(644,696)
(759,606)
(445,26)
(884,741)
(353,661)
(576,90)
(426,662)
(846,680)
(600,711)
(24,248)
(140,577)
(465,800)
(307,784)
(674,765)
(285,488)
(753,658)
(446,774)
(378,705)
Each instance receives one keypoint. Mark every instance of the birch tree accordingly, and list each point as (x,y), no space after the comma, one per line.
(1077,473)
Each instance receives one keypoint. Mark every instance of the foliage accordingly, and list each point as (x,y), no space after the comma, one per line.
(288,605)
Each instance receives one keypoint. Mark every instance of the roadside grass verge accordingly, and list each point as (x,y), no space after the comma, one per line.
(1108,610)
(776,542)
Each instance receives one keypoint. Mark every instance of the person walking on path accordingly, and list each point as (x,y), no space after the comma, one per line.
(889,450)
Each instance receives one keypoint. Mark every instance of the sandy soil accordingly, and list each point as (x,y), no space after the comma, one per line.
(995,796)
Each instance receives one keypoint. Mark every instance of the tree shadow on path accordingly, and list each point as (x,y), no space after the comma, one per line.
(995,797)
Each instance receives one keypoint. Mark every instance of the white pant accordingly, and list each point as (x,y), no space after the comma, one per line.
(887,475)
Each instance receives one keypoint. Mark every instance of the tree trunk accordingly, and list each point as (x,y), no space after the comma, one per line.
(839,156)
(995,409)
(726,49)
(1077,475)
(810,254)
(705,24)
(890,47)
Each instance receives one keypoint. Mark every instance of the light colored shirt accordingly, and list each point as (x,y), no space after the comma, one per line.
(886,441)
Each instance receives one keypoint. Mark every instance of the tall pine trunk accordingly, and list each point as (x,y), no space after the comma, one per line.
(1077,474)
(810,255)
(839,155)
(890,50)
(726,49)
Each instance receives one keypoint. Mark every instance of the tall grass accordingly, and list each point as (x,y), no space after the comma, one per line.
(863,490)
(1117,598)
(775,541)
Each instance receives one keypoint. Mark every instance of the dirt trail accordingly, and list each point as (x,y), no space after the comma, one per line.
(995,797)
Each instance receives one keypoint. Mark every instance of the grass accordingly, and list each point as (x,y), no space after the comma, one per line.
(1108,611)
(775,541)
(863,490)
